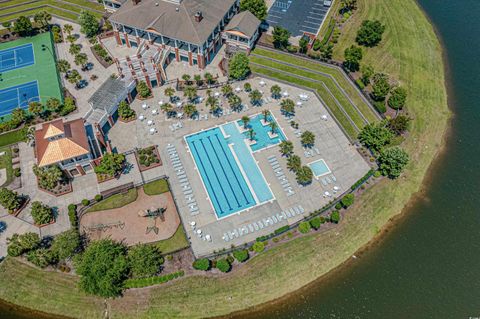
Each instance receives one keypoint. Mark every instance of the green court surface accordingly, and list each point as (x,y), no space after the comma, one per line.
(43,71)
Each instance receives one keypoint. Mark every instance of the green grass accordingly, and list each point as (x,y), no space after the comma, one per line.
(412,54)
(31,12)
(157,187)
(115,201)
(154,280)
(13,137)
(6,162)
(175,243)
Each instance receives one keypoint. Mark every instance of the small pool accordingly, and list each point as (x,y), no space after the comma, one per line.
(319,168)
(262,137)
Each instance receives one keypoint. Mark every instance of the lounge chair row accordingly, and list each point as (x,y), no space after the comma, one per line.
(263,223)
(311,152)
(288,189)
(182,178)
(329,179)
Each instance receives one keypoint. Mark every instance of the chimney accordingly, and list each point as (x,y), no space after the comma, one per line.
(198,16)
(135,2)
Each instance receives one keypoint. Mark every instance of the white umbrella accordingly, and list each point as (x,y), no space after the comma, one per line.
(199,231)
(324,117)
(336,188)
(152,130)
(193,223)
(216,94)
(154,112)
(179,104)
(299,103)
(144,106)
(285,93)
(141,117)
(208,237)
(149,122)
(262,83)
(160,102)
(238,89)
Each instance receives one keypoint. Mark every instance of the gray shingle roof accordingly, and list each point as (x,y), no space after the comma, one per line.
(106,97)
(244,22)
(163,17)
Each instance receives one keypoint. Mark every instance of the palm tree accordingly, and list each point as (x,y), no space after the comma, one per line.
(308,139)
(186,78)
(198,79)
(245,120)
(68,28)
(255,97)
(294,163)
(35,108)
(208,92)
(74,77)
(167,108)
(287,107)
(63,66)
(235,102)
(275,90)
(273,127)
(286,148)
(170,92)
(71,38)
(190,92)
(81,59)
(190,110)
(74,49)
(212,102)
(208,77)
(227,90)
(247,87)
(251,134)
(265,113)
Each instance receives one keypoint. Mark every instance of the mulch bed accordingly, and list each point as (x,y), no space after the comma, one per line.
(142,167)
(61,189)
(24,204)
(127,120)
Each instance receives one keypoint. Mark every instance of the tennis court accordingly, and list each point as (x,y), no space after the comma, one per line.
(18,96)
(17,57)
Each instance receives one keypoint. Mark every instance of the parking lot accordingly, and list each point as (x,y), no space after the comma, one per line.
(298,16)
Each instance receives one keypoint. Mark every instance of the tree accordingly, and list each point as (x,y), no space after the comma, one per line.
(241,255)
(375,136)
(335,217)
(235,102)
(110,164)
(348,5)
(42,19)
(170,92)
(245,120)
(255,97)
(74,49)
(397,98)
(198,79)
(53,104)
(347,200)
(294,163)
(370,33)
(353,55)
(187,78)
(367,72)
(304,227)
(190,92)
(68,106)
(223,265)
(276,91)
(67,28)
(308,139)
(167,108)
(258,246)
(257,7)
(212,102)
(144,260)
(143,89)
(190,110)
(88,23)
(247,87)
(326,51)
(63,66)
(303,44)
(286,148)
(81,59)
(74,77)
(20,244)
(208,77)
(66,244)
(392,161)
(251,134)
(280,37)
(399,124)
(273,127)
(18,117)
(42,214)
(23,26)
(380,87)
(125,111)
(9,199)
(238,66)
(48,177)
(287,107)
(202,264)
(316,223)
(102,268)
(35,108)
(227,90)
(266,114)
(304,175)
(41,257)
(7,25)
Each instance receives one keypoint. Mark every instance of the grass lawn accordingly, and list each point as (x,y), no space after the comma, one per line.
(157,187)
(177,242)
(13,137)
(6,162)
(411,53)
(115,201)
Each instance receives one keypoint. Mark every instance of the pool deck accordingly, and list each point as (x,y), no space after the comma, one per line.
(339,154)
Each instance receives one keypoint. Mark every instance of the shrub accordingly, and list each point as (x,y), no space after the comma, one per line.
(397,98)
(223,265)
(380,106)
(259,246)
(370,33)
(42,214)
(315,223)
(20,244)
(348,200)
(66,244)
(376,136)
(48,178)
(230,259)
(98,198)
(241,255)
(202,264)
(41,257)
(281,230)
(304,227)
(144,260)
(338,205)
(238,67)
(143,89)
(9,199)
(110,164)
(335,217)
(72,215)
(125,111)
(362,180)
(68,106)
(147,156)
(85,202)
(17,172)
(392,162)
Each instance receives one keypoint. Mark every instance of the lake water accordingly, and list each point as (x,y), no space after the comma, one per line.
(427,266)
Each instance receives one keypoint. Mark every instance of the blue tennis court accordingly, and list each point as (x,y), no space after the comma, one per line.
(17,57)
(18,96)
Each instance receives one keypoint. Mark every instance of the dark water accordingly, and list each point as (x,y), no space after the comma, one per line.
(429,265)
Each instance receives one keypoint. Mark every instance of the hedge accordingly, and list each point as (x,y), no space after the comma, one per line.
(149,281)
(72,215)
(223,265)
(202,264)
(363,179)
(282,229)
(241,255)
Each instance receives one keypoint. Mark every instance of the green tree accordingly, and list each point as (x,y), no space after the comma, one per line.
(42,214)
(370,33)
(397,98)
(110,164)
(66,244)
(348,5)
(18,117)
(68,106)
(304,175)
(144,260)
(35,108)
(9,199)
(238,66)
(326,51)
(190,110)
(335,217)
(7,25)
(223,265)
(241,255)
(257,7)
(380,87)
(187,78)
(42,19)
(143,89)
(375,136)
(367,73)
(212,102)
(276,91)
(209,78)
(81,59)
(258,246)
(74,77)
(198,79)
(102,268)
(63,66)
(353,56)
(247,87)
(316,223)
(392,161)
(48,177)
(23,26)
(255,97)
(245,120)
(88,23)
(251,134)
(170,92)
(294,163)
(41,257)
(399,124)
(67,28)
(167,108)
(227,90)
(20,244)
(74,49)
(125,111)
(190,92)
(286,148)
(202,264)
(304,227)
(307,139)
(303,44)
(235,102)
(273,127)
(280,37)
(348,200)
(53,104)
(287,107)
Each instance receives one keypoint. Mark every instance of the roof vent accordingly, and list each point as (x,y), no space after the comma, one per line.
(198,16)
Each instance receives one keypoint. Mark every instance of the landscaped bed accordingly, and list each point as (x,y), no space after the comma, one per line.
(148,158)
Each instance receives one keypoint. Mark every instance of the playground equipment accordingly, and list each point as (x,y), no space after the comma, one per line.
(153,214)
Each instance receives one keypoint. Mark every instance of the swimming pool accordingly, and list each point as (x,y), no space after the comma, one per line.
(319,168)
(262,138)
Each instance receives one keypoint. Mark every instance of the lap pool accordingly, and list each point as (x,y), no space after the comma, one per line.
(228,170)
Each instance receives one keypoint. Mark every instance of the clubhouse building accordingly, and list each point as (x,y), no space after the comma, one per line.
(192,31)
